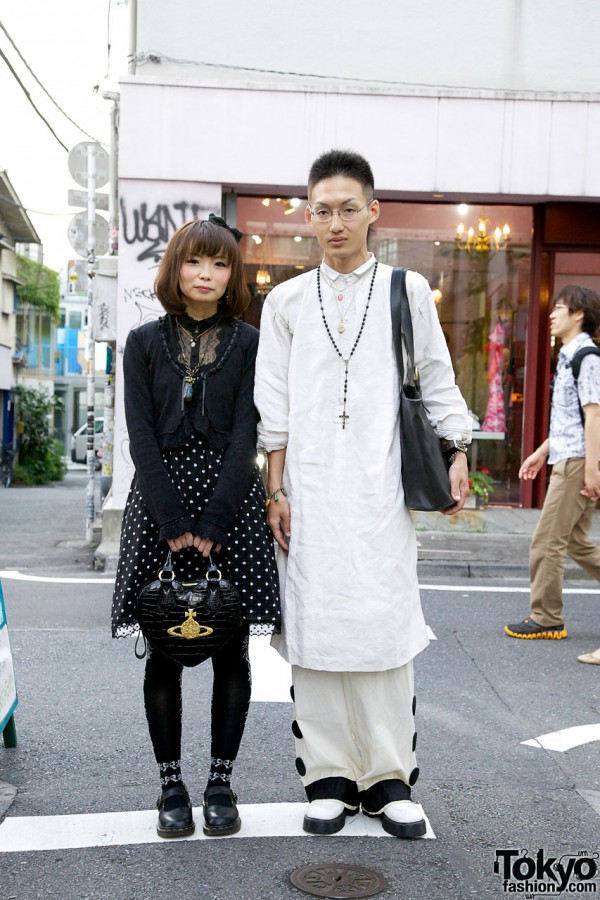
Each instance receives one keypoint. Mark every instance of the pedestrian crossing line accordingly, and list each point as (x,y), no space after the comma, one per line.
(27,834)
(15,575)
(566,738)
(467,588)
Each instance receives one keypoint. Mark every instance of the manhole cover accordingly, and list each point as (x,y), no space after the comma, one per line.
(338,880)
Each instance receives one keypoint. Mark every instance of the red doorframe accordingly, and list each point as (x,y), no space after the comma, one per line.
(557,227)
(536,412)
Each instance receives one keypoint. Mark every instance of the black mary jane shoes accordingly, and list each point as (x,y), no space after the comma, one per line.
(175,813)
(220,812)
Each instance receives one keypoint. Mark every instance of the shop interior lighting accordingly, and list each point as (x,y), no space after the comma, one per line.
(481,241)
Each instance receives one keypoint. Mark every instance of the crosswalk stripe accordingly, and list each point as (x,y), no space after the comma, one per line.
(22,834)
(566,738)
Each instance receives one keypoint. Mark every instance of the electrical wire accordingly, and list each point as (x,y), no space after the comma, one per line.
(28,95)
(34,76)
(39,212)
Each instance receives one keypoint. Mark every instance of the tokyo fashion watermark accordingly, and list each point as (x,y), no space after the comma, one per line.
(535,872)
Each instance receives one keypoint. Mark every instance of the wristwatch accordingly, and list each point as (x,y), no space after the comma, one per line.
(450,448)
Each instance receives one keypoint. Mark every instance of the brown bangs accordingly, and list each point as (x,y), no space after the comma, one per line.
(201,238)
(205,239)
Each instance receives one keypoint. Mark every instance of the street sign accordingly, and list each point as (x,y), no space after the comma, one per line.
(77,233)
(78,163)
(104,307)
(80,198)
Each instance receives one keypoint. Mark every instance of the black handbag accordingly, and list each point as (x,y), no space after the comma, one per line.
(188,621)
(424,468)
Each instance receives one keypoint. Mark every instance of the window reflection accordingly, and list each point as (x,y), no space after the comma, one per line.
(481,297)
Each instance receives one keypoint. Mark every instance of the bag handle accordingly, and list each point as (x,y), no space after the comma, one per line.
(402,325)
(213,573)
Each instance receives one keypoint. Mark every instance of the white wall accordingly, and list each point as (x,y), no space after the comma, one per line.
(150,213)
(418,146)
(525,45)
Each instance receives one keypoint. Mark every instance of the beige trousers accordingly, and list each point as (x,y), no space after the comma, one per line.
(355,725)
(562,529)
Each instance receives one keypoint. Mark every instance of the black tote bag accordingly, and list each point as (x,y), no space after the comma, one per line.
(424,469)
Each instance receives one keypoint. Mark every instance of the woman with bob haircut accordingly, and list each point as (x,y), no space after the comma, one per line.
(189,382)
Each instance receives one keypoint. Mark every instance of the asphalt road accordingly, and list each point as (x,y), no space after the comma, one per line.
(83,748)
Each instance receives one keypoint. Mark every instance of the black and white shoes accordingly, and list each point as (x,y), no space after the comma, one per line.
(401,818)
(326,816)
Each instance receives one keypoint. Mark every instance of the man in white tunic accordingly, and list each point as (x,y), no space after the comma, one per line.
(328,395)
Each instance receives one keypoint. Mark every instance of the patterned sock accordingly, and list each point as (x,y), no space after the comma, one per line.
(220,771)
(170,773)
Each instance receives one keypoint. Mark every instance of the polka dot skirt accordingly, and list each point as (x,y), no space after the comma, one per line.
(248,560)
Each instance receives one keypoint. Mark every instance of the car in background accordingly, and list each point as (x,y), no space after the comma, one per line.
(79,441)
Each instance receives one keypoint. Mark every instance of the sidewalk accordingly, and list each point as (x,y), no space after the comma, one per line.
(483,543)
(43,528)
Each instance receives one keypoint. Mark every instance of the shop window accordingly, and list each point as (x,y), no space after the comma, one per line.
(481,284)
(480,280)
(277,244)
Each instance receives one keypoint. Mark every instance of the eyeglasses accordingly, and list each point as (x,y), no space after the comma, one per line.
(560,306)
(347,214)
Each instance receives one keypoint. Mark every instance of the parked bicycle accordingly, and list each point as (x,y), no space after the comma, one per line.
(6,464)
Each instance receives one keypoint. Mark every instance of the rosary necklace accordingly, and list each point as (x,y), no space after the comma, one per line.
(346,361)
(345,305)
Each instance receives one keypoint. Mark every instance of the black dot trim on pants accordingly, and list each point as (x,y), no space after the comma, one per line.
(296,730)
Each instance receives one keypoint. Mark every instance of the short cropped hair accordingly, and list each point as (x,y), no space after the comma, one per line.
(201,238)
(586,300)
(345,163)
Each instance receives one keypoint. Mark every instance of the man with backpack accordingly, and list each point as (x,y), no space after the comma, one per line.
(573,450)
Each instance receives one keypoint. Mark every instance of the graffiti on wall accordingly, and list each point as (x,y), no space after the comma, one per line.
(151,225)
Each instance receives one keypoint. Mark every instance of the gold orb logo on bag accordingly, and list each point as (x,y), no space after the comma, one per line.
(189,628)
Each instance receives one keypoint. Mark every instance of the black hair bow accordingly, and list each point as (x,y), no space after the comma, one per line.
(217,220)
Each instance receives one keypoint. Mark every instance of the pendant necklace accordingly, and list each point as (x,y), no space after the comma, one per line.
(345,360)
(344,303)
(189,379)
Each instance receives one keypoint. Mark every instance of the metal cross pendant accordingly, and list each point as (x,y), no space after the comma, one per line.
(344,418)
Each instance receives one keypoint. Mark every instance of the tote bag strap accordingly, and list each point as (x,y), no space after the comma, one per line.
(402,323)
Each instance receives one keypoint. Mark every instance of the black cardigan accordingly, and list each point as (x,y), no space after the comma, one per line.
(222,410)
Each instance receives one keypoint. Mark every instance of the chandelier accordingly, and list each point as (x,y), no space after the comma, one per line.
(481,241)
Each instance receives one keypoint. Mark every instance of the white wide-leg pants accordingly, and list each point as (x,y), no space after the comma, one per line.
(357,726)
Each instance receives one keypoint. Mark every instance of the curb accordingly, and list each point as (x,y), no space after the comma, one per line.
(7,795)
(481,570)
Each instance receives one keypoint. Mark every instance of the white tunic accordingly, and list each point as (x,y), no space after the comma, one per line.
(350,595)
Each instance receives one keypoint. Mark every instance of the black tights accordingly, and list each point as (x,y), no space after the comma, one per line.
(229,709)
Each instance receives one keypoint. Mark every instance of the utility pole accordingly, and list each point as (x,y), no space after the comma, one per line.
(113,249)
(90,508)
(88,235)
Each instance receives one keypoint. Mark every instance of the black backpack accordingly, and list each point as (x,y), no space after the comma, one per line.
(575,365)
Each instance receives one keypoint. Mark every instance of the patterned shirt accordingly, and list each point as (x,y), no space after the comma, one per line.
(566,429)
